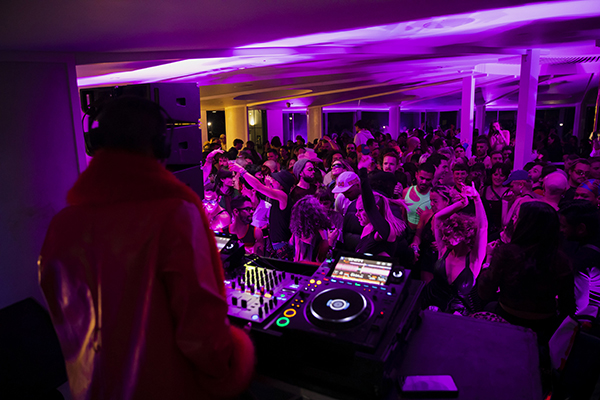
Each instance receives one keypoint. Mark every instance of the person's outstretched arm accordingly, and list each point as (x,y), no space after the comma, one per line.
(380,225)
(480,242)
(275,194)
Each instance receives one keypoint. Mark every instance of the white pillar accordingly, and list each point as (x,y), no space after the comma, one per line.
(315,123)
(394,121)
(203,121)
(530,70)
(466,112)
(275,124)
(204,125)
(42,155)
(480,118)
(236,124)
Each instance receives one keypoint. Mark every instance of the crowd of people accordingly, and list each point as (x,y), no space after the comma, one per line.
(523,244)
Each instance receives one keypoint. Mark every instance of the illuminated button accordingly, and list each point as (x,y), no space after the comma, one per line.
(255,317)
(290,312)
(319,282)
(312,281)
(283,322)
(349,283)
(333,280)
(357,284)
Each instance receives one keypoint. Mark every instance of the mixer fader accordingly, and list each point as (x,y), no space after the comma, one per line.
(259,292)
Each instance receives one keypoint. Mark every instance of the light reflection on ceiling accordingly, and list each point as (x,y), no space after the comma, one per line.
(416,64)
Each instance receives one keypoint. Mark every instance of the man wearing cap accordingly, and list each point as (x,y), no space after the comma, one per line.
(520,192)
(347,189)
(276,187)
(304,170)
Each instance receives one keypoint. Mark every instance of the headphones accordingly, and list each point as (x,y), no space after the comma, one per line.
(119,113)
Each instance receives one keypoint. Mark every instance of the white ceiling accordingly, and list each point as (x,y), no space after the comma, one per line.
(329,53)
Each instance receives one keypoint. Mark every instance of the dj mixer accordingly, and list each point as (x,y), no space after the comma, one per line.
(259,292)
(337,325)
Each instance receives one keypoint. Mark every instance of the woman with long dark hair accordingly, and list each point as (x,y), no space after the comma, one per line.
(531,273)
(380,227)
(491,195)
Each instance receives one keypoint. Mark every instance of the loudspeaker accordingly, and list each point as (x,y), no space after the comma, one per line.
(180,100)
(186,146)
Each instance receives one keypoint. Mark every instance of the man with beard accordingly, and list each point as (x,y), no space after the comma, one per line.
(442,174)
(481,153)
(417,196)
(249,236)
(304,171)
(577,175)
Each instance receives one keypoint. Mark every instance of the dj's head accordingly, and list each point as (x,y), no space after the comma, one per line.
(132,124)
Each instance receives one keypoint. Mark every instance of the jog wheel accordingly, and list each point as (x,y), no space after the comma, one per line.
(336,309)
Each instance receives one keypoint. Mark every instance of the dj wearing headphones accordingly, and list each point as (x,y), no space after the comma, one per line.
(132,275)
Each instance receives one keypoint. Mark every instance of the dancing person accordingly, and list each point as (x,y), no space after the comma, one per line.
(218,217)
(531,273)
(250,237)
(424,244)
(498,137)
(309,224)
(462,241)
(380,226)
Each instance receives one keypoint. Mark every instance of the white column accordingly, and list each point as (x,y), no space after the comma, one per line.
(236,124)
(42,155)
(394,121)
(466,112)
(275,124)
(480,118)
(530,70)
(204,125)
(315,123)
(204,122)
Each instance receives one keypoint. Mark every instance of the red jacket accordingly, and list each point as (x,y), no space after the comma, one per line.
(134,286)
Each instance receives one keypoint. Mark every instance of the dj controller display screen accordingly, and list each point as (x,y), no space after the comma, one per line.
(362,270)
(221,242)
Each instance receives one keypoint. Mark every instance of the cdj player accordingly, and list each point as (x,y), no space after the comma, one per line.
(230,251)
(334,331)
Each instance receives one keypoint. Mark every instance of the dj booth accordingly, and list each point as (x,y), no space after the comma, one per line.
(332,327)
(351,328)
